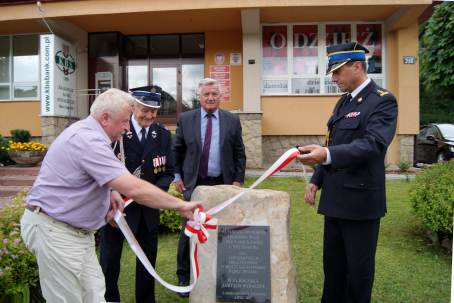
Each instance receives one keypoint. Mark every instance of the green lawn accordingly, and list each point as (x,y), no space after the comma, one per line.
(408,269)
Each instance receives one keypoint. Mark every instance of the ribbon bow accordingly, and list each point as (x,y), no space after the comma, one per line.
(199,225)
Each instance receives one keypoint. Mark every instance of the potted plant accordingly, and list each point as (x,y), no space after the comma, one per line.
(26,153)
(18,268)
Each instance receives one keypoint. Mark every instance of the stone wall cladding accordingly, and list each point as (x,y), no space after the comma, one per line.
(275,146)
(406,147)
(251,124)
(53,126)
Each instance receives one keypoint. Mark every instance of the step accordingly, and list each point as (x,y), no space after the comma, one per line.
(18,170)
(6,191)
(17,180)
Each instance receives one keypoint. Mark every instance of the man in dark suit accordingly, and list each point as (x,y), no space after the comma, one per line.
(351,172)
(208,150)
(147,151)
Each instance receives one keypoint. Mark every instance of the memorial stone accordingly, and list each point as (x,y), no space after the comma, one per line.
(257,208)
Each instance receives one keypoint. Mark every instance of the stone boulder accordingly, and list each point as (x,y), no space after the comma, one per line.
(257,207)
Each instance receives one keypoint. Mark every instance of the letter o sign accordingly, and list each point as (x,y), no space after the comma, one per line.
(273,40)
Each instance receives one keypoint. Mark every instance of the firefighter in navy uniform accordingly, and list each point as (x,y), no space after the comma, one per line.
(147,151)
(351,172)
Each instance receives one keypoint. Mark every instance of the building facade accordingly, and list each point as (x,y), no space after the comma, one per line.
(269,55)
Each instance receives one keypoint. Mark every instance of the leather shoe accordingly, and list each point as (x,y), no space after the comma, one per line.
(183,294)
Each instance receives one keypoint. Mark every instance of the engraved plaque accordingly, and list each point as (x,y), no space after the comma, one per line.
(243,264)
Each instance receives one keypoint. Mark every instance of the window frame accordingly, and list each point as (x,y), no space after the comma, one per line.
(321,50)
(12,84)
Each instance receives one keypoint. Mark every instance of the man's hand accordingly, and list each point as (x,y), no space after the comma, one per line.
(310,193)
(187,209)
(179,185)
(312,154)
(236,183)
(116,203)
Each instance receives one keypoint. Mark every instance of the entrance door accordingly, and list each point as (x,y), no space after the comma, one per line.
(178,79)
(166,77)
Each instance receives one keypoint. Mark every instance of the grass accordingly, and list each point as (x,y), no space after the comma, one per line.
(408,269)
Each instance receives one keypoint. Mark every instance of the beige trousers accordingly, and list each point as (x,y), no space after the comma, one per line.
(69,270)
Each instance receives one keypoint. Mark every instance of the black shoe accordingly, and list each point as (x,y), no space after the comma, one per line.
(183,294)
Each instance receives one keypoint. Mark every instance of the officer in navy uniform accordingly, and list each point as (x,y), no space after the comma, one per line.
(351,172)
(147,150)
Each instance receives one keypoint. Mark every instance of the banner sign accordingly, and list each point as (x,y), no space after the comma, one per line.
(222,74)
(274,47)
(370,36)
(58,77)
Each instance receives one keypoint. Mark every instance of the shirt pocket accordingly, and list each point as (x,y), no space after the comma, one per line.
(348,123)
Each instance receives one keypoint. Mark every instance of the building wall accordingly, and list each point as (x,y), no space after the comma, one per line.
(295,115)
(20,115)
(226,42)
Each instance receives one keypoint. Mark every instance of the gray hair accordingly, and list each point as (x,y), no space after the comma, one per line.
(207,82)
(111,101)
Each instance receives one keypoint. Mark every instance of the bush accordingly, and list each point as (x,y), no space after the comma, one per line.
(18,266)
(20,135)
(3,147)
(170,220)
(432,197)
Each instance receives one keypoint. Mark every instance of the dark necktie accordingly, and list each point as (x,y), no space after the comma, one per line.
(203,167)
(143,131)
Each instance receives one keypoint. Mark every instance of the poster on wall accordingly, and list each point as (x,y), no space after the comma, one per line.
(370,36)
(338,34)
(222,74)
(58,77)
(305,50)
(274,46)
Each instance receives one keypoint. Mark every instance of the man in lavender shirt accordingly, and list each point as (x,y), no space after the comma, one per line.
(77,192)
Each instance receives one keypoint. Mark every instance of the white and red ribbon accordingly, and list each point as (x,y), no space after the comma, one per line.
(197,229)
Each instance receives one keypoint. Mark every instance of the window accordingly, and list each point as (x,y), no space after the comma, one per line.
(19,67)
(173,62)
(294,55)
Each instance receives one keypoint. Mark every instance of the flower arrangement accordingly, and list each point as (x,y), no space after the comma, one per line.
(26,146)
(18,268)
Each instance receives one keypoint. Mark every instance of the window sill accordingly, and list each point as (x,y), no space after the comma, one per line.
(20,100)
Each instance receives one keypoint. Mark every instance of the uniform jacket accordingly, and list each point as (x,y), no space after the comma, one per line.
(187,148)
(157,168)
(353,185)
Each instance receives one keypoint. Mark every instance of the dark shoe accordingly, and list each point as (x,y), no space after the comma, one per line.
(183,294)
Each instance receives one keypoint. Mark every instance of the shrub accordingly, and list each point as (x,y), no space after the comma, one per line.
(18,266)
(3,146)
(170,220)
(403,166)
(20,135)
(432,197)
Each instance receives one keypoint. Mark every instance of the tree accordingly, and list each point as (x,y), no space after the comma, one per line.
(437,66)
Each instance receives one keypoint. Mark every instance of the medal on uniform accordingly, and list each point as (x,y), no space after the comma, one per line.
(163,163)
(155,164)
(154,134)
(159,163)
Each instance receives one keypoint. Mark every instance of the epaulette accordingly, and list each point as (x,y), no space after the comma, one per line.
(382,93)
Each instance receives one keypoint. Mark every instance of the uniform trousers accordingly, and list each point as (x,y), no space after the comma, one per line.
(110,256)
(69,270)
(183,260)
(349,259)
